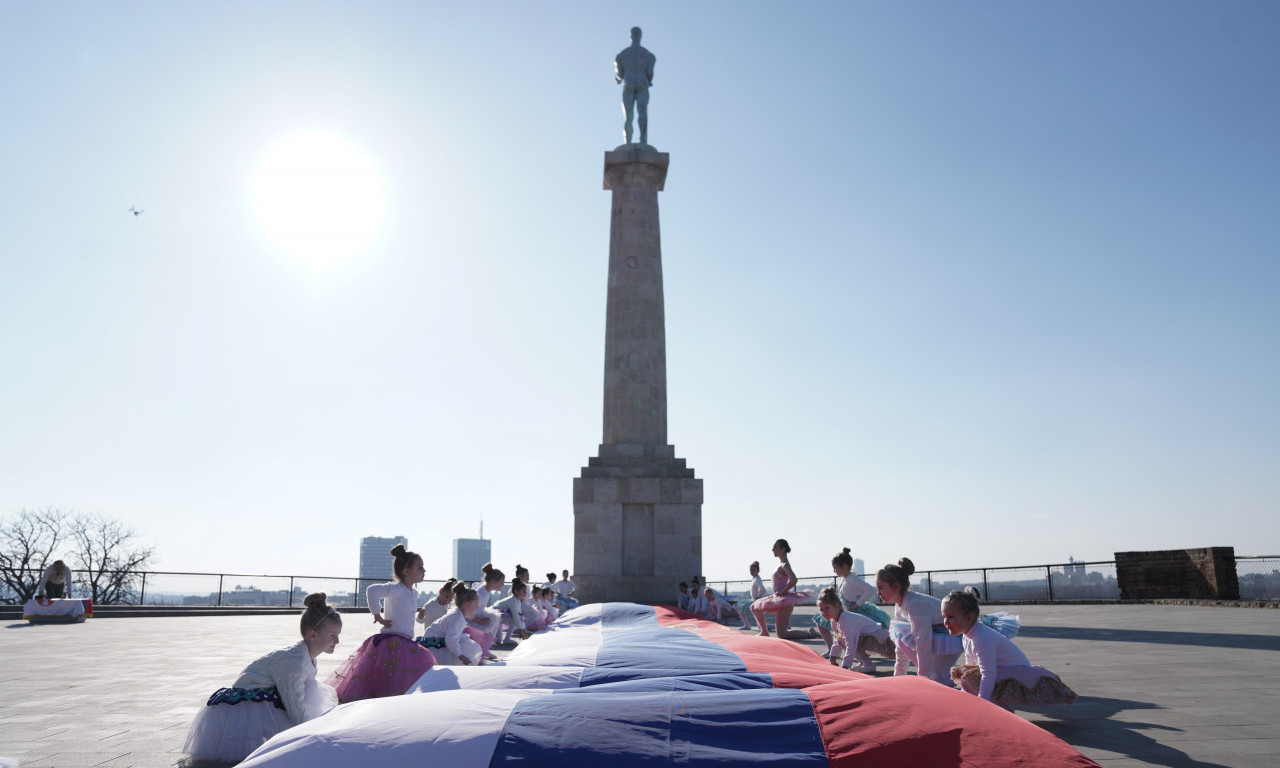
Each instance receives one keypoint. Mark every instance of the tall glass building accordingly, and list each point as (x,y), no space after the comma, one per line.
(469,556)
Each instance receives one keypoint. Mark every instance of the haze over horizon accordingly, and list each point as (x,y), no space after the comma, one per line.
(980,285)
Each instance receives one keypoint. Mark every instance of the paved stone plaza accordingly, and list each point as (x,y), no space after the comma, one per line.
(1176,686)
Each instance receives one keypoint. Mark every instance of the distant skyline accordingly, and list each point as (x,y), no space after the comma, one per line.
(981,285)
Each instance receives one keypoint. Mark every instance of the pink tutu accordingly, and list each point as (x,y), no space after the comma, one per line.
(1022,687)
(385,664)
(482,638)
(771,603)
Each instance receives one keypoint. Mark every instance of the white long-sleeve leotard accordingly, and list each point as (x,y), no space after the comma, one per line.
(397,602)
(510,605)
(990,650)
(288,670)
(922,612)
(854,591)
(450,627)
(432,611)
(849,628)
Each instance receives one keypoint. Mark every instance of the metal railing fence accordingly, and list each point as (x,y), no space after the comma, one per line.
(1259,577)
(176,588)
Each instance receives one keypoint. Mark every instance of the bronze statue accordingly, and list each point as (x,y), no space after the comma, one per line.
(633,67)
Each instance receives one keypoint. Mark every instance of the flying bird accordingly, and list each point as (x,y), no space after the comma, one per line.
(137,211)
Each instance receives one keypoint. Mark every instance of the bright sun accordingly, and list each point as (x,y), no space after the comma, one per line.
(319,198)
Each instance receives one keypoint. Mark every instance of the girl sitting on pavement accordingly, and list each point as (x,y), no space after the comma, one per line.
(447,636)
(272,694)
(995,669)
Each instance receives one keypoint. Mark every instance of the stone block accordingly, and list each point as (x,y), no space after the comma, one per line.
(1207,573)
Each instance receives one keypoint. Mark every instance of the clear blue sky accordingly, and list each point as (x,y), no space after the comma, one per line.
(979,283)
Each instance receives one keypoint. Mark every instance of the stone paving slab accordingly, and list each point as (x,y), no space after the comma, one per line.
(1160,685)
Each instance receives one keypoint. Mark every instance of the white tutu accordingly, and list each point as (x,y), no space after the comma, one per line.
(492,628)
(227,733)
(470,649)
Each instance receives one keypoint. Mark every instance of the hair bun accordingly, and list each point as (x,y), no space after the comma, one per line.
(487,567)
(906,565)
(398,550)
(973,592)
(314,599)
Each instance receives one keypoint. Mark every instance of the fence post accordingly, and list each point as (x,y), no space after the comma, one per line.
(142,593)
(290,591)
(220,590)
(928,578)
(1048,577)
(355,595)
(986,591)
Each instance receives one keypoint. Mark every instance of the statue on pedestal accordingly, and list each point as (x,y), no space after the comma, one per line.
(633,67)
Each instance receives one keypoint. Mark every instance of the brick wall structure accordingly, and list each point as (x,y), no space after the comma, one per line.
(1206,573)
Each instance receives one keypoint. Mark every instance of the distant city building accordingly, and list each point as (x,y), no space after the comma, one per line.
(375,556)
(469,556)
(859,567)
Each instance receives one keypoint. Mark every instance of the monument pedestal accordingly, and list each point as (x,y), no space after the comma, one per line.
(637,513)
(637,508)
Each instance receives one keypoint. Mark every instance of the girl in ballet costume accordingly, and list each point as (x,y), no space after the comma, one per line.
(994,668)
(917,625)
(535,616)
(682,600)
(387,663)
(697,600)
(486,619)
(718,609)
(743,605)
(854,635)
(447,636)
(783,598)
(438,607)
(510,610)
(564,590)
(855,595)
(274,693)
(548,603)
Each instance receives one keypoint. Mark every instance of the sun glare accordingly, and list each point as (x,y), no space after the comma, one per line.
(319,198)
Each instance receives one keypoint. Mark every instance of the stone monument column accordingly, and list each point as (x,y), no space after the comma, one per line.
(637,508)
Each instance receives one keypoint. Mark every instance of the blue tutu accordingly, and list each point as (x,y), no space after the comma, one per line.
(944,643)
(1007,624)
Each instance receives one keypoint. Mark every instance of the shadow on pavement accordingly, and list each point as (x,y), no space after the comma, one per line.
(1089,724)
(1207,639)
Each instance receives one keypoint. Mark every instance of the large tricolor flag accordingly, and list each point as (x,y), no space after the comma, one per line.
(620,686)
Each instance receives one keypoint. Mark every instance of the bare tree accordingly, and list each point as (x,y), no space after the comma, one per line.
(27,542)
(106,553)
(109,556)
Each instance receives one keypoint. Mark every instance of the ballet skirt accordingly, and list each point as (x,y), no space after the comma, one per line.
(1007,624)
(436,639)
(1021,686)
(770,603)
(273,694)
(385,664)
(944,643)
(870,644)
(870,610)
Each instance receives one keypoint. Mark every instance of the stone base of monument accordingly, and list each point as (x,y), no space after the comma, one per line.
(637,513)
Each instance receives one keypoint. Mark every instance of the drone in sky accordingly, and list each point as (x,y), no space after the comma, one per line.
(137,211)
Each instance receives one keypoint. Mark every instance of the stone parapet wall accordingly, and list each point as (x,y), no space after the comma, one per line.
(1208,573)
